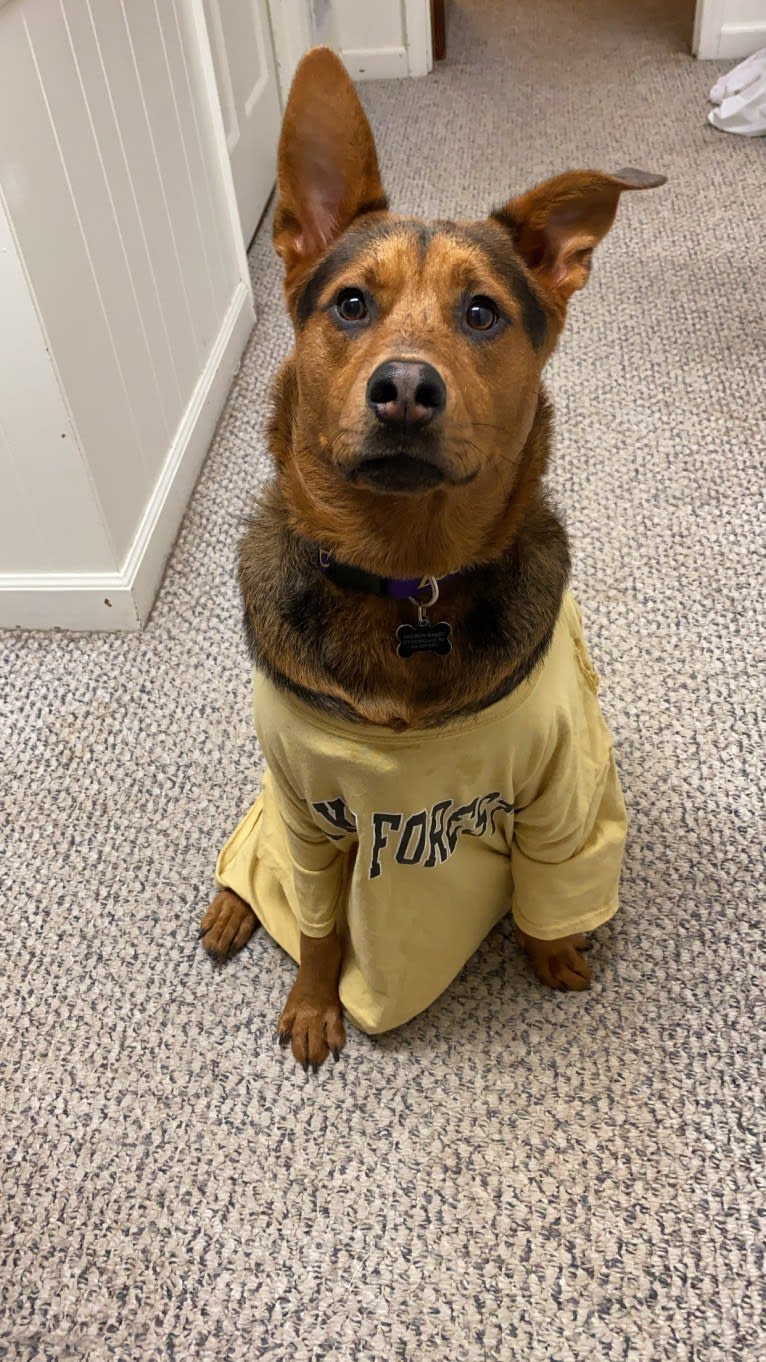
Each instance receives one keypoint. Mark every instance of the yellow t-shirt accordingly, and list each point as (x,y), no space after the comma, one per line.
(415,844)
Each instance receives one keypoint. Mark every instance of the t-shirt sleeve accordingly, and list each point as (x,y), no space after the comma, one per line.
(570,824)
(318,867)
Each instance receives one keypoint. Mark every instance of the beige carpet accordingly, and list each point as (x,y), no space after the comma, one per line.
(516,1175)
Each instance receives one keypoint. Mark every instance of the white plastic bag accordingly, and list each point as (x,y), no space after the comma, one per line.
(741,98)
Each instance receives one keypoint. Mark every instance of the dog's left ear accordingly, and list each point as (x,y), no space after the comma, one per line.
(556,225)
(327,169)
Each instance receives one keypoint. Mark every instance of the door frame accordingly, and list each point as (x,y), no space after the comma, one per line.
(718,35)
(298,24)
(439,29)
(708,22)
(418,36)
(292,33)
(218,129)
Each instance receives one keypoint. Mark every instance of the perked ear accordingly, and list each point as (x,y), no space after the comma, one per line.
(556,225)
(327,169)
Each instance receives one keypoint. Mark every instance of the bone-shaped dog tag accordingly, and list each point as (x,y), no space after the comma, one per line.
(424,638)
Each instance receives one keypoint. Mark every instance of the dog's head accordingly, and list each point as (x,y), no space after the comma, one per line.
(419,346)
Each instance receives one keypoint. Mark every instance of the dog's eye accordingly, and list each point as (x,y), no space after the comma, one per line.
(350,305)
(481,314)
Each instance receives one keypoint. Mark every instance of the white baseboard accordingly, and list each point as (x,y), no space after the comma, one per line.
(149,552)
(123,600)
(67,600)
(375,63)
(741,40)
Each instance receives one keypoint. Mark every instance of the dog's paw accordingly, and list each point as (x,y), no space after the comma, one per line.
(227,925)
(558,964)
(313,1026)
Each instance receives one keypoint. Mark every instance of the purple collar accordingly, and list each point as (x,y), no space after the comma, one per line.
(397,588)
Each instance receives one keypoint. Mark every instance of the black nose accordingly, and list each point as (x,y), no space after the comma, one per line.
(405,392)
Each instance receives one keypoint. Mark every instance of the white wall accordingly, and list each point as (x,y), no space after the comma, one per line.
(377,39)
(383,39)
(379,23)
(45,486)
(129,300)
(729,28)
(294,28)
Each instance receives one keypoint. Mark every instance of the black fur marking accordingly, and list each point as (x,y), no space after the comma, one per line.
(326,704)
(504,260)
(329,266)
(355,239)
(513,679)
(336,708)
(425,236)
(482,627)
(372,206)
(507,221)
(495,246)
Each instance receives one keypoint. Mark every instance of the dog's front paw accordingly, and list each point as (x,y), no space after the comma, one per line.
(558,964)
(314,1026)
(227,925)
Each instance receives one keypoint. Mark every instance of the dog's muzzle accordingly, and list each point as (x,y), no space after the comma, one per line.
(400,454)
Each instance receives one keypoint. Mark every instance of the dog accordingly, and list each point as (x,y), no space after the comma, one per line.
(436,754)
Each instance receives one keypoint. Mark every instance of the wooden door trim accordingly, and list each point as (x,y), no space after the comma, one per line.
(439,29)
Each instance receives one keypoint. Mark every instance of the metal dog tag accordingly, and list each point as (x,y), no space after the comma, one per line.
(424,638)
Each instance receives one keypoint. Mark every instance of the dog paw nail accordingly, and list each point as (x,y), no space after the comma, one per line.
(284,1037)
(335,1053)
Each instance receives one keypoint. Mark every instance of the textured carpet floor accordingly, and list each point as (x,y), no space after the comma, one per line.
(516,1174)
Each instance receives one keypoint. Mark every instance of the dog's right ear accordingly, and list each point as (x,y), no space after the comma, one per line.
(327,171)
(556,225)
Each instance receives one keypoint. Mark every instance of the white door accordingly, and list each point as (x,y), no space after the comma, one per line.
(240,37)
(729,28)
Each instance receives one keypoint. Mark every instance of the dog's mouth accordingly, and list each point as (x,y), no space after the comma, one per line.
(411,466)
(397,473)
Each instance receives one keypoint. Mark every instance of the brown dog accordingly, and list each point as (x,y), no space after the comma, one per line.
(410,434)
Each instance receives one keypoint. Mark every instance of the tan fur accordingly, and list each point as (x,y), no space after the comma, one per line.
(490,418)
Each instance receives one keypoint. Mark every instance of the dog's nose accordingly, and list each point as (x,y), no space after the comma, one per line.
(406,392)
